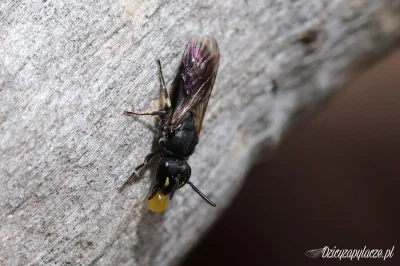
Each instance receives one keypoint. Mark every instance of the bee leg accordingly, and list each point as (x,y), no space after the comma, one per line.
(154,113)
(157,113)
(147,159)
(127,182)
(154,190)
(138,168)
(164,87)
(167,100)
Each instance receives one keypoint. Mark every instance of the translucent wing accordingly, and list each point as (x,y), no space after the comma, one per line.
(198,71)
(315,253)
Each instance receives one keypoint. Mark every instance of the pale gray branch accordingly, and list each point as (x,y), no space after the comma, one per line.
(69,68)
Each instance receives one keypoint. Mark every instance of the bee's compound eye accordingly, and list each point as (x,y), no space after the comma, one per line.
(158,202)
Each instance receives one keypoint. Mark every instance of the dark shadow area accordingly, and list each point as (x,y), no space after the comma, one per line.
(334,182)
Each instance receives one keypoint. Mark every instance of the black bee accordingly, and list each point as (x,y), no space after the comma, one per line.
(181,120)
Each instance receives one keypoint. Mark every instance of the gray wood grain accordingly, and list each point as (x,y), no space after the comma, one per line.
(69,68)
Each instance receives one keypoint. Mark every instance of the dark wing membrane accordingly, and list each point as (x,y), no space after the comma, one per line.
(198,71)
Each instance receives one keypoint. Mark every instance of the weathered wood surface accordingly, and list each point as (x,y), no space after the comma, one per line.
(69,68)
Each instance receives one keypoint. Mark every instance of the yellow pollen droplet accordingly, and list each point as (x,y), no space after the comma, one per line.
(158,203)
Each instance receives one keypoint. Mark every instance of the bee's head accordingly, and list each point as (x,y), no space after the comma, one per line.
(172,174)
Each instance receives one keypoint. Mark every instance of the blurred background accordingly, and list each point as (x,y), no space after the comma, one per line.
(333,182)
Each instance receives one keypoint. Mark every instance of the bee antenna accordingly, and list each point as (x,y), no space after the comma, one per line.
(202,194)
